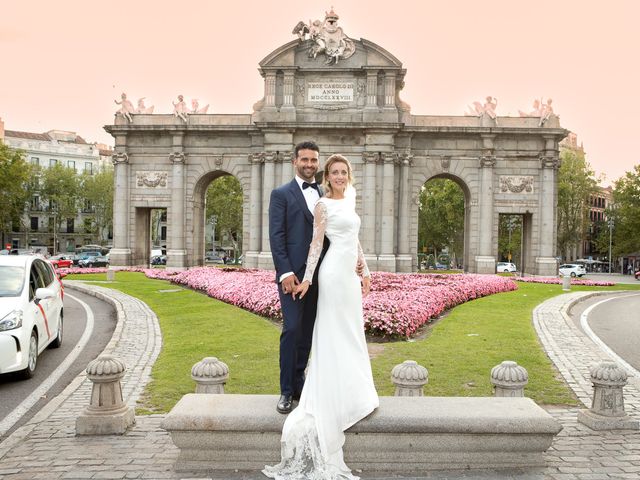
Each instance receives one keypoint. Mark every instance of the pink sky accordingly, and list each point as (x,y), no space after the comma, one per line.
(65,62)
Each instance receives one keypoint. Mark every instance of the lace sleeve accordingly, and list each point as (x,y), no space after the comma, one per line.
(319,227)
(365,271)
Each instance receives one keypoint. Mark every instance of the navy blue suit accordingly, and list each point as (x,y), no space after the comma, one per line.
(290,234)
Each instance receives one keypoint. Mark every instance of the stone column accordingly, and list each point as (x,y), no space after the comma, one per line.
(546,263)
(404,256)
(485,260)
(270,90)
(390,90)
(120,254)
(176,253)
(372,89)
(387,259)
(255,210)
(268,182)
(287,102)
(607,409)
(371,113)
(368,230)
(287,168)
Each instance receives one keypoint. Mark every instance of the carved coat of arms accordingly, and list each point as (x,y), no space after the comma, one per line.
(327,38)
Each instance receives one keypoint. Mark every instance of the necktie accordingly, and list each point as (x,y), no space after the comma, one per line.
(306,185)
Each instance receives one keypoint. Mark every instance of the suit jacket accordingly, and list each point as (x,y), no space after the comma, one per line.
(290,229)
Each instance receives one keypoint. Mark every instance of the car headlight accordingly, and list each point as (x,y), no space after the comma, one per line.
(11,321)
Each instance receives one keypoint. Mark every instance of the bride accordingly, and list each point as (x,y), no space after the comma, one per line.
(339,389)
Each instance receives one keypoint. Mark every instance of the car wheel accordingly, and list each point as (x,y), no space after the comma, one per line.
(32,358)
(58,340)
(573,274)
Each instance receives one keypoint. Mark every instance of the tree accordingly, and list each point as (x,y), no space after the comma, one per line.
(15,176)
(626,213)
(60,187)
(224,200)
(441,218)
(97,196)
(510,238)
(576,182)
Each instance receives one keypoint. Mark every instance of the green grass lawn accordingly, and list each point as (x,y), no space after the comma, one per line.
(459,350)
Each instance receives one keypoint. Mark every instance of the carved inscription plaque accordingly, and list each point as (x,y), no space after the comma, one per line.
(330,92)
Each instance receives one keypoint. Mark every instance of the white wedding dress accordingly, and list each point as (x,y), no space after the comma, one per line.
(339,389)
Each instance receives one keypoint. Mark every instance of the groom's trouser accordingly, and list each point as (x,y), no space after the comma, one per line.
(295,340)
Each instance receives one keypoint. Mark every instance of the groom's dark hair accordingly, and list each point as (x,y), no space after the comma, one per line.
(306,145)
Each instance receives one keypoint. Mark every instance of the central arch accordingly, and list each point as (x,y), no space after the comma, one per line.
(467,200)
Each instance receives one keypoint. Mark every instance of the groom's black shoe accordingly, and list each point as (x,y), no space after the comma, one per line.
(285,404)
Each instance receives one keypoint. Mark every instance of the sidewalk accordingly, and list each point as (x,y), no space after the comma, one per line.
(47,448)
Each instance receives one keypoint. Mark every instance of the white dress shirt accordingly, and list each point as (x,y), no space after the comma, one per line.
(311,196)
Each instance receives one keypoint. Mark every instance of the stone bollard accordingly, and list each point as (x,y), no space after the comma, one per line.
(607,409)
(509,379)
(409,379)
(111,275)
(566,283)
(107,413)
(210,375)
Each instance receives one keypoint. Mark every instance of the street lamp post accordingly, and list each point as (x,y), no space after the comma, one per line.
(610,237)
(213,219)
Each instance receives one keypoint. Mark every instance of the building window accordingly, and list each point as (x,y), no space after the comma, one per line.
(34,224)
(35,161)
(71,164)
(88,168)
(70,225)
(53,162)
(35,203)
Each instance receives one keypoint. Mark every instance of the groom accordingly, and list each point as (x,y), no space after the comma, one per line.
(290,233)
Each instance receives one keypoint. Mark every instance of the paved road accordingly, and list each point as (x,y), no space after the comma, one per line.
(21,399)
(616,321)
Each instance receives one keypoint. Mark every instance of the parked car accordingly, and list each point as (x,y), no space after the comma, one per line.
(84,256)
(31,312)
(572,269)
(159,260)
(509,267)
(94,261)
(62,261)
(212,257)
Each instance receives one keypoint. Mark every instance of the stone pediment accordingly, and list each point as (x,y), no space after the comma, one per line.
(295,55)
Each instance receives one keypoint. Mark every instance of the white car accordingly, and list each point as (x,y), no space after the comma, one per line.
(505,267)
(31,311)
(572,269)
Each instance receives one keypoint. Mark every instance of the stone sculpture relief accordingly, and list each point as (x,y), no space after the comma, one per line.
(151,179)
(327,38)
(516,184)
(180,109)
(126,107)
(142,108)
(195,107)
(541,110)
(478,109)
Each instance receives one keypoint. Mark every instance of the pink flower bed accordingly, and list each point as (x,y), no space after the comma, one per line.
(398,305)
(557,280)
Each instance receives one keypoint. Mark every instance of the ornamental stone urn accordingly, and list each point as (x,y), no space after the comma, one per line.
(107,413)
(409,379)
(210,375)
(607,408)
(509,379)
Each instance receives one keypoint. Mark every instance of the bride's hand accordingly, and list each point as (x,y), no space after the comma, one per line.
(366,286)
(301,289)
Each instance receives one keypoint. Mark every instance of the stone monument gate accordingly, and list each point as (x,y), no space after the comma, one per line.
(345,98)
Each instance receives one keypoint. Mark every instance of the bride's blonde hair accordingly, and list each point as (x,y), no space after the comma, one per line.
(335,158)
